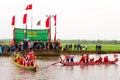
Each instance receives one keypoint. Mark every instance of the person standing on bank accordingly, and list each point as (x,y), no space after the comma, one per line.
(86,47)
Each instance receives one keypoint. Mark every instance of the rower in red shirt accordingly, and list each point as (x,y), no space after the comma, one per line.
(82,58)
(106,59)
(87,58)
(67,57)
(99,60)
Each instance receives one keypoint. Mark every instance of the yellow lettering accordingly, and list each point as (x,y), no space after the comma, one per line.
(32,34)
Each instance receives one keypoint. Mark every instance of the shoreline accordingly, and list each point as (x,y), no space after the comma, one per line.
(56,53)
(90,52)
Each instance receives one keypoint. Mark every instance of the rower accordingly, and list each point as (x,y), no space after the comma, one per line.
(67,57)
(17,56)
(99,60)
(91,60)
(87,58)
(106,59)
(71,58)
(82,58)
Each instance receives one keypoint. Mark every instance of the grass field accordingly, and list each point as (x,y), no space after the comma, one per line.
(105,47)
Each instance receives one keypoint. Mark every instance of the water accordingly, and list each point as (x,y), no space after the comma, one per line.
(9,71)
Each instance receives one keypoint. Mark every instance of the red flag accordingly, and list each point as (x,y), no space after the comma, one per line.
(24,18)
(48,22)
(13,21)
(55,37)
(55,20)
(39,22)
(29,7)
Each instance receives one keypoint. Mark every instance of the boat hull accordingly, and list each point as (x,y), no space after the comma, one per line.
(34,68)
(88,63)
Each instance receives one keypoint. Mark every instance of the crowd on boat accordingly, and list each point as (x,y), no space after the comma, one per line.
(27,59)
(85,58)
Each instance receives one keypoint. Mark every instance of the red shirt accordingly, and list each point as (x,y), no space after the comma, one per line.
(67,56)
(58,43)
(82,59)
(106,59)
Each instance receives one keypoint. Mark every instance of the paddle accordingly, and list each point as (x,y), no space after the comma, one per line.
(57,62)
(54,63)
(51,64)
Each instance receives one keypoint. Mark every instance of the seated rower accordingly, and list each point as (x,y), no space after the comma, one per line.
(87,58)
(67,57)
(82,59)
(17,56)
(92,60)
(99,60)
(106,59)
(71,58)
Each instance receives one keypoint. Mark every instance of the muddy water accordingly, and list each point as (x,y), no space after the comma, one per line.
(8,70)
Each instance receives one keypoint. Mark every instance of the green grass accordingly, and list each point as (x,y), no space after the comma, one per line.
(105,47)
(111,47)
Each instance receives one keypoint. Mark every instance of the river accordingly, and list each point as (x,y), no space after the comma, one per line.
(9,71)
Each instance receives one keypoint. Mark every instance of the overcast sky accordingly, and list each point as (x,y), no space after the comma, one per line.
(76,19)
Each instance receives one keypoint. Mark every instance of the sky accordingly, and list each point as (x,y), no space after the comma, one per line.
(76,19)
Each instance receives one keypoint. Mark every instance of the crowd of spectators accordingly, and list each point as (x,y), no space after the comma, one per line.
(44,46)
(75,47)
(24,45)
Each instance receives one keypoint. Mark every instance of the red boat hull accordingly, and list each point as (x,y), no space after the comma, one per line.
(88,63)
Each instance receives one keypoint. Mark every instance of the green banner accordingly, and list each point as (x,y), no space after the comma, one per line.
(32,35)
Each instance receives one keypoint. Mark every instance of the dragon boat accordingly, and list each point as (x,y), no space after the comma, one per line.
(88,63)
(33,68)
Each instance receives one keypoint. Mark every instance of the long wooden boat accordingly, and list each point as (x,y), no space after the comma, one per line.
(88,63)
(34,68)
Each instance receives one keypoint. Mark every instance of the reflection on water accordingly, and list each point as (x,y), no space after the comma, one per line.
(47,71)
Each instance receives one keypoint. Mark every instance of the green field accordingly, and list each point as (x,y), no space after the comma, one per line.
(105,47)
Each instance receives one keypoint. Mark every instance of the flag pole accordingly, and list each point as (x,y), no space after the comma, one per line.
(14,34)
(25,24)
(25,31)
(39,24)
(31,19)
(55,27)
(31,22)
(49,41)
(29,7)
(49,29)
(13,24)
(55,33)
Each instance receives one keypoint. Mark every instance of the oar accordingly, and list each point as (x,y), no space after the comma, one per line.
(50,65)
(57,62)
(54,63)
